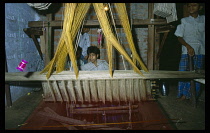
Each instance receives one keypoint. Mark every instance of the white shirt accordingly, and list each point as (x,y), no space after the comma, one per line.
(192,30)
(101,65)
(84,43)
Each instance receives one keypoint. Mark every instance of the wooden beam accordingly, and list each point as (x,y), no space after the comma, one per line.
(157,45)
(161,46)
(59,23)
(164,29)
(32,33)
(151,39)
(35,31)
(48,45)
(37,45)
(103,75)
(106,108)
(107,112)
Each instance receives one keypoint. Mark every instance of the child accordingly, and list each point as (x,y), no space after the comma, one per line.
(191,34)
(94,63)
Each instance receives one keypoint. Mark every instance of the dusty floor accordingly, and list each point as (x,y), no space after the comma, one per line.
(190,118)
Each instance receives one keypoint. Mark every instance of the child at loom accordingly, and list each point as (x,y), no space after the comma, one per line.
(94,64)
(191,35)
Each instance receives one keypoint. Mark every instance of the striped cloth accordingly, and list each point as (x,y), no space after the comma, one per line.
(184,87)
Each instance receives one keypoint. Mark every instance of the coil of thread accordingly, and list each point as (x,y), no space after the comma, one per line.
(22,65)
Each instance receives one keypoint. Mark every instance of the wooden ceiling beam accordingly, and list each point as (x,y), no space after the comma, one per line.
(59,23)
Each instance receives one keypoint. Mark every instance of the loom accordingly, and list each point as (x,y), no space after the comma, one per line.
(93,90)
(129,85)
(83,87)
(98,86)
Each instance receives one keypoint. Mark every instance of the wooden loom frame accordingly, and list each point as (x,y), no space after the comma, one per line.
(151,22)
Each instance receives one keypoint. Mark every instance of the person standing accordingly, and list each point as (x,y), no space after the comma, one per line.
(191,35)
(84,43)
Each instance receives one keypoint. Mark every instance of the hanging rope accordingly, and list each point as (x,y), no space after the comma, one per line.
(77,41)
(116,34)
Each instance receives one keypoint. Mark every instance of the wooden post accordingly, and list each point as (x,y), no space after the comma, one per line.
(7,87)
(160,48)
(48,45)
(151,39)
(157,47)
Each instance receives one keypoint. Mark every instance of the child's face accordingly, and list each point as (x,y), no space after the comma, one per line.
(93,57)
(193,8)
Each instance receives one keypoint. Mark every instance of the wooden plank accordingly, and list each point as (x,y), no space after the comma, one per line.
(103,75)
(58,23)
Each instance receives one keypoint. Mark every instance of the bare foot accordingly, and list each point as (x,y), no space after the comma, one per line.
(181,98)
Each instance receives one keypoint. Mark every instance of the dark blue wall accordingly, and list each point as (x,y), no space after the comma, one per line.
(18,45)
